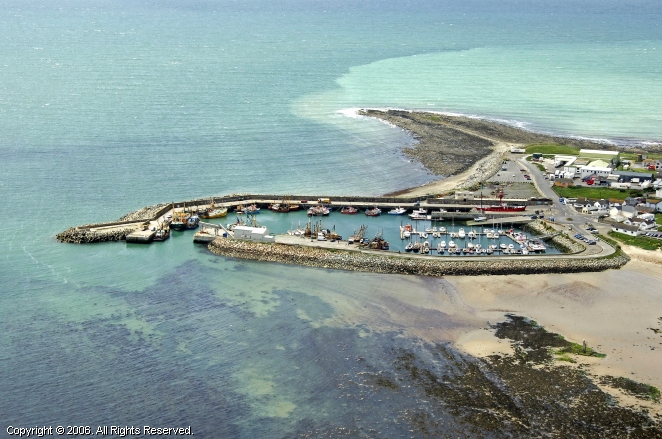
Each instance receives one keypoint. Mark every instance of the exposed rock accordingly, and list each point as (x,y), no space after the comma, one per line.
(377,263)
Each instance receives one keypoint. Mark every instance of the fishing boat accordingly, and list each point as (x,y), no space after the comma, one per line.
(442,244)
(252,209)
(285,206)
(214,212)
(503,246)
(397,211)
(471,234)
(461,234)
(162,234)
(321,236)
(416,247)
(424,235)
(501,207)
(318,211)
(179,219)
(349,210)
(442,229)
(192,222)
(409,247)
(479,219)
(375,211)
(452,244)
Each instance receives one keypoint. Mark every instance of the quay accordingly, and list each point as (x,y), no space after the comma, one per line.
(154,217)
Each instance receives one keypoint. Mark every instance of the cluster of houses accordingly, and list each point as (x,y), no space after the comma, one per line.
(600,167)
(632,216)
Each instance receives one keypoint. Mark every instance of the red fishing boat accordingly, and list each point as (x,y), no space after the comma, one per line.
(502,207)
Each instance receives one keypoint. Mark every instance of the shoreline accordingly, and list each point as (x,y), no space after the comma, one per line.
(445,142)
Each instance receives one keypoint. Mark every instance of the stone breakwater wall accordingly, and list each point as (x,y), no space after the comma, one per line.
(146,213)
(485,169)
(376,263)
(86,236)
(562,242)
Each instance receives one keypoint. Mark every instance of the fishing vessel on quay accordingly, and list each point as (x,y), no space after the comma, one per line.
(502,207)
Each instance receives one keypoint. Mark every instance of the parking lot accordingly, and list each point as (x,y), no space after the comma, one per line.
(513,174)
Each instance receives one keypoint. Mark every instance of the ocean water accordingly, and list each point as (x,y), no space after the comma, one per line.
(106,107)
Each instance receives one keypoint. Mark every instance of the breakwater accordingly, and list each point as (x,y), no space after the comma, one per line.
(76,235)
(383,263)
(562,242)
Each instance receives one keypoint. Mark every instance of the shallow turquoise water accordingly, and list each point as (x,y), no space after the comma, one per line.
(105,108)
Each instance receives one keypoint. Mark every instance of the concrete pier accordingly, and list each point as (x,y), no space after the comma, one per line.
(141,237)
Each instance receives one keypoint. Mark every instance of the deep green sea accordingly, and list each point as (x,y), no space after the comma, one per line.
(109,106)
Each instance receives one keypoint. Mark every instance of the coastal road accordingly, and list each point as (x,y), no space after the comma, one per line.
(562,212)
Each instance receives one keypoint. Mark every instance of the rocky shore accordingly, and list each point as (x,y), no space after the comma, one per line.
(377,263)
(86,236)
(442,149)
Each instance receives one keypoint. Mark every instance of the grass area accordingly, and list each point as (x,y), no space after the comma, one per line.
(643,242)
(577,349)
(631,156)
(596,192)
(551,148)
(434,118)
(542,168)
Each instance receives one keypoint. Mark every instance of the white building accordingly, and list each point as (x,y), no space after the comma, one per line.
(587,171)
(643,224)
(628,230)
(253,234)
(464,195)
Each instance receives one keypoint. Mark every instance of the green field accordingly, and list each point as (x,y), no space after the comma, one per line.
(552,148)
(638,241)
(631,156)
(596,192)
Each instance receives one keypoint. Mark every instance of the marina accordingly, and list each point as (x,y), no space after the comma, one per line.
(396,226)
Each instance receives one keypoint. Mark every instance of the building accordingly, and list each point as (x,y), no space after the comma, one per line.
(624,228)
(634,177)
(643,224)
(590,170)
(564,160)
(248,233)
(654,202)
(613,157)
(654,162)
(464,195)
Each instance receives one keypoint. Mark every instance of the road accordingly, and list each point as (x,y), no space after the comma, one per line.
(563,213)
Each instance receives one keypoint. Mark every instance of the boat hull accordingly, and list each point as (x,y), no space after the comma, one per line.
(502,208)
(177,225)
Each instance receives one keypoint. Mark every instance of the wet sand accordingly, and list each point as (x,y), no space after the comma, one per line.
(617,312)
